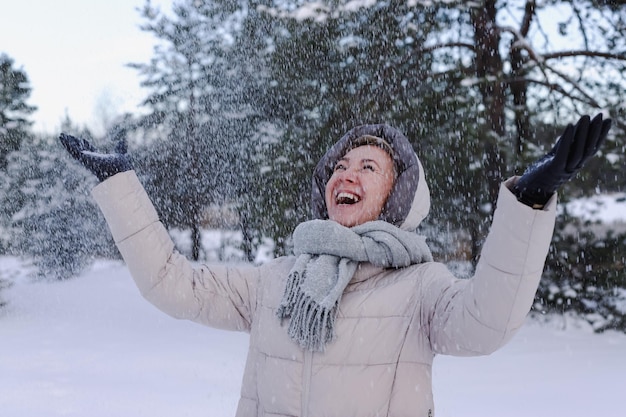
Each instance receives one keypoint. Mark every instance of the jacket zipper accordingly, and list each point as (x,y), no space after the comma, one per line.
(306,381)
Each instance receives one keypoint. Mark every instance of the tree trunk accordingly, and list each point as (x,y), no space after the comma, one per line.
(518,83)
(489,69)
(488,65)
(196,242)
(247,244)
(196,238)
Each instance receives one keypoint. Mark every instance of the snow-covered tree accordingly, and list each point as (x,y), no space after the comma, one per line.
(200,109)
(14,111)
(46,213)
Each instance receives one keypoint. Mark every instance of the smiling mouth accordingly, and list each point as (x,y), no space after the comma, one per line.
(347,198)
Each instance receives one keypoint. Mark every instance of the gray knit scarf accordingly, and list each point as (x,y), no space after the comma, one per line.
(327,257)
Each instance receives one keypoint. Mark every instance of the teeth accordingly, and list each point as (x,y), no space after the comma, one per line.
(347,198)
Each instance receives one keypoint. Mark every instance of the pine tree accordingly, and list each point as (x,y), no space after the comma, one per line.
(14,111)
(48,216)
(199,109)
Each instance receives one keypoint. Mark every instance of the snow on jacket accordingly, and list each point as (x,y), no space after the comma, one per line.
(390,325)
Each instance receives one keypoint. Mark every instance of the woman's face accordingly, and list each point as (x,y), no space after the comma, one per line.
(359,186)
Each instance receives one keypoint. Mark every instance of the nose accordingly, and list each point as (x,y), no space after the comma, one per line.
(348,175)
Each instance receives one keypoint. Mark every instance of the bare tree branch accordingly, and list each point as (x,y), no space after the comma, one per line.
(529,13)
(574,84)
(581,23)
(595,54)
(542,65)
(432,48)
(557,88)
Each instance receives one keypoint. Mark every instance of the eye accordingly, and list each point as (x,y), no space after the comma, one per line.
(368,167)
(339,167)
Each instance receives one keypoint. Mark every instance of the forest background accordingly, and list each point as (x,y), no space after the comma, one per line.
(245,97)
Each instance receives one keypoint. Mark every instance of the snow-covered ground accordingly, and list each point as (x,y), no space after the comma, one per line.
(605,208)
(92,346)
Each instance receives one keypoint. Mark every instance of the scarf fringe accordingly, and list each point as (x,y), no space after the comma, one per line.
(310,324)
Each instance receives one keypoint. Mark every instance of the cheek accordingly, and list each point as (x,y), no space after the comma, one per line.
(381,189)
(377,187)
(328,192)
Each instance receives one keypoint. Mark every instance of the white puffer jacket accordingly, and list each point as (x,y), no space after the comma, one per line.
(391,323)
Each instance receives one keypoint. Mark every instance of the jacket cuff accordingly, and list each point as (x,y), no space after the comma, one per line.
(527,232)
(551,203)
(125,205)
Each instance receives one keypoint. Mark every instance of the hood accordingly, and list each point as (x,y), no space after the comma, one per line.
(409,201)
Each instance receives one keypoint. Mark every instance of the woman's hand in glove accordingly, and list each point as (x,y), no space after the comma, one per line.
(102,165)
(575,146)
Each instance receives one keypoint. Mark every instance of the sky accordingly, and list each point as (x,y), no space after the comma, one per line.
(74,53)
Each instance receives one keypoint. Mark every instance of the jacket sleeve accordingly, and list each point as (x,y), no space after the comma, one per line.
(218,296)
(478,315)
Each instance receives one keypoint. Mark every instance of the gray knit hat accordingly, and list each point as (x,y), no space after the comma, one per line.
(409,200)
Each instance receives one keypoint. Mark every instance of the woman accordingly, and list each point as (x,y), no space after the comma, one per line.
(350,324)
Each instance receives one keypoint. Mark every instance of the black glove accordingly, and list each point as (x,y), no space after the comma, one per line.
(102,165)
(575,146)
